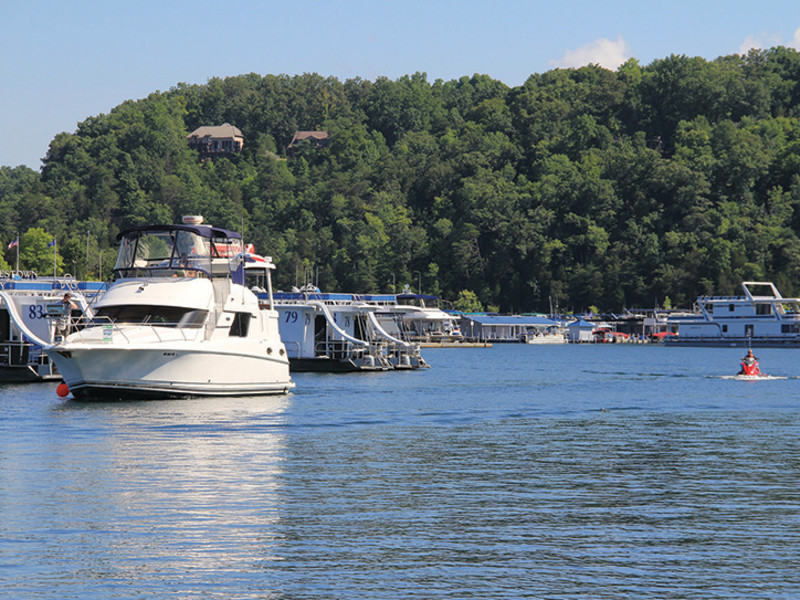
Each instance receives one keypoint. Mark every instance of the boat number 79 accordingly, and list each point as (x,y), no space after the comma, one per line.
(291,316)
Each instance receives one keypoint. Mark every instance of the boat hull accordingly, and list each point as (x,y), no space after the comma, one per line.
(546,339)
(734,342)
(330,365)
(148,373)
(25,374)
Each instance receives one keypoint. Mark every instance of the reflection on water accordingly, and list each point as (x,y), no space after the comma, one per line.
(514,472)
(166,493)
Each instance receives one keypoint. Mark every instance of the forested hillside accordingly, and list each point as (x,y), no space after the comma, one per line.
(582,187)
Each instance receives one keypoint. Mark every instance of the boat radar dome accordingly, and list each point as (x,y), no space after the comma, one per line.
(192,220)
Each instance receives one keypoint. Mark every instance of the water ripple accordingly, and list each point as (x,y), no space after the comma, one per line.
(637,473)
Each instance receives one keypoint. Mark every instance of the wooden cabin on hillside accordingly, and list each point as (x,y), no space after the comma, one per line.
(315,139)
(217,140)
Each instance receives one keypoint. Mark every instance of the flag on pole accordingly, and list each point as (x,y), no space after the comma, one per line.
(51,244)
(15,244)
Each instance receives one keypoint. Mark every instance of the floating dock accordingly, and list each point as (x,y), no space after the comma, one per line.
(455,345)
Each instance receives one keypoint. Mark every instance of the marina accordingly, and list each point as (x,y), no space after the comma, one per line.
(639,471)
(333,332)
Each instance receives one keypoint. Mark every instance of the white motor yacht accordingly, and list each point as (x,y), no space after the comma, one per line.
(177,321)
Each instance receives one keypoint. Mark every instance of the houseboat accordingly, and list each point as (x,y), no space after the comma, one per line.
(529,329)
(421,319)
(761,317)
(337,332)
(26,302)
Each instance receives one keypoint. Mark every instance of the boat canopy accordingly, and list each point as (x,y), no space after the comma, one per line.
(183,250)
(201,230)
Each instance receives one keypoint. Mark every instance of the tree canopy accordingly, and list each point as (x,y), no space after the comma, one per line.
(580,187)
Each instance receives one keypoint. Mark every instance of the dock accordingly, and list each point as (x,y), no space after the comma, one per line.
(455,345)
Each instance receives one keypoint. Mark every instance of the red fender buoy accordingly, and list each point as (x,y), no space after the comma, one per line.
(62,390)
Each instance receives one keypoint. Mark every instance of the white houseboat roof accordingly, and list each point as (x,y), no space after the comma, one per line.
(515,320)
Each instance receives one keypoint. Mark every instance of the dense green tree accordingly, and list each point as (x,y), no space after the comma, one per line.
(580,187)
(467,301)
(35,253)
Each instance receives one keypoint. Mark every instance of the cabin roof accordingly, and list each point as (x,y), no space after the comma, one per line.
(216,131)
(511,320)
(299,136)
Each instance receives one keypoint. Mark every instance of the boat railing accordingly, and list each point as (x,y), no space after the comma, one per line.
(378,351)
(340,349)
(397,350)
(293,344)
(21,352)
(111,330)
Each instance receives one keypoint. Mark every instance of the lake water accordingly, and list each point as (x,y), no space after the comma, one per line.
(508,472)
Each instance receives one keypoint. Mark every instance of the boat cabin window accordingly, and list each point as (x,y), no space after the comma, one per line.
(163,316)
(763,309)
(256,280)
(240,325)
(731,307)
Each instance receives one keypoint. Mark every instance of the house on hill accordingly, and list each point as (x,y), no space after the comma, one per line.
(317,139)
(218,140)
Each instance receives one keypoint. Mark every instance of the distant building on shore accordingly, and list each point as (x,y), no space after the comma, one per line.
(216,140)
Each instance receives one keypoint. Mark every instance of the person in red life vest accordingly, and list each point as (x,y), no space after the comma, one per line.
(750,365)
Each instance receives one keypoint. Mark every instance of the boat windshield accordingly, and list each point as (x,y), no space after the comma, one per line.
(163,316)
(256,280)
(165,252)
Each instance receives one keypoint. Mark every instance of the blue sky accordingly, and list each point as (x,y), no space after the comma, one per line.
(65,60)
